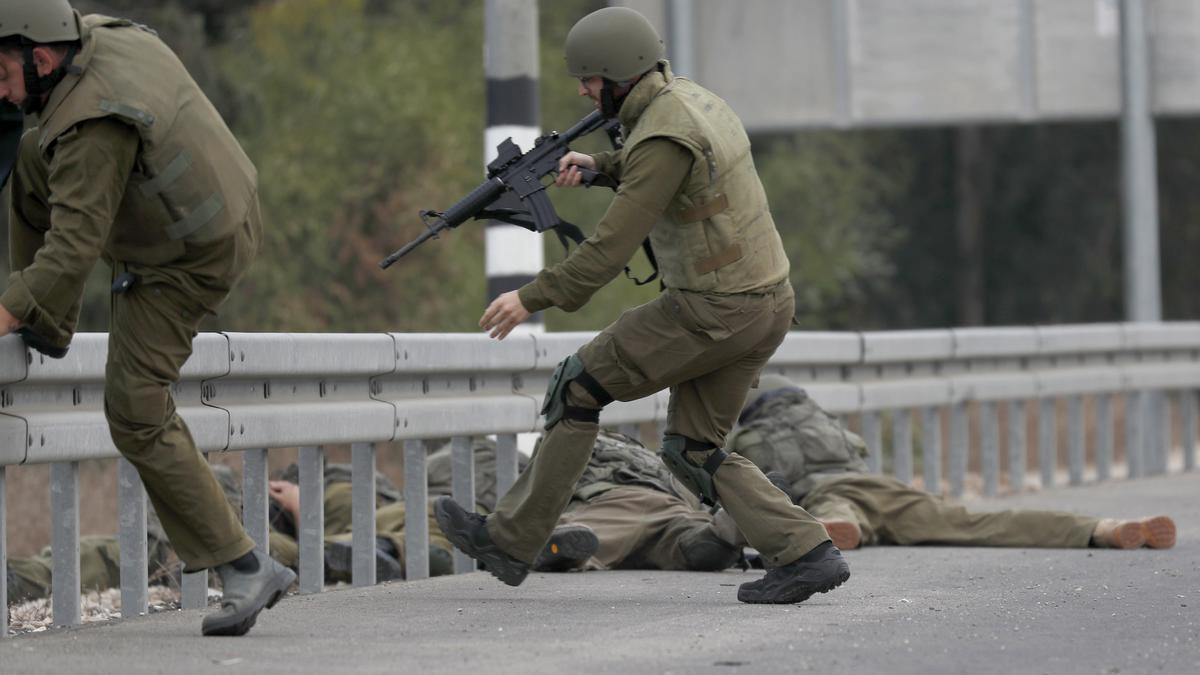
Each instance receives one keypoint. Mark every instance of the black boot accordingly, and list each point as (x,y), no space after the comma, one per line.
(568,548)
(819,571)
(468,532)
(441,562)
(339,561)
(21,590)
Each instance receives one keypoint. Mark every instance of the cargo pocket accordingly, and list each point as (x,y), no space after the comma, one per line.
(715,317)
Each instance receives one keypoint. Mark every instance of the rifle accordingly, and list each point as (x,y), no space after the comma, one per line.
(514,186)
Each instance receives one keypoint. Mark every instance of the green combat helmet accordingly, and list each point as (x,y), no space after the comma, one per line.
(767,383)
(615,43)
(36,22)
(39,21)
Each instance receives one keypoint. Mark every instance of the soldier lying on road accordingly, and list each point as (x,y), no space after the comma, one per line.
(821,466)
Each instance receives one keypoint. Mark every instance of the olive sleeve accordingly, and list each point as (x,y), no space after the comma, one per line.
(609,163)
(87,177)
(653,172)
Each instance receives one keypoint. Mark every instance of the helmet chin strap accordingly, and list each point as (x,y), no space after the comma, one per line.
(38,86)
(610,105)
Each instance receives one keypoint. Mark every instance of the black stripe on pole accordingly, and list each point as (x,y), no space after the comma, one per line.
(504,284)
(512,101)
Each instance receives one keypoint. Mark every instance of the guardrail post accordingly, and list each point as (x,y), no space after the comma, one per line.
(960,440)
(3,558)
(362,515)
(1075,441)
(1187,414)
(1104,437)
(416,511)
(255,507)
(1160,409)
(462,473)
(1047,440)
(193,587)
(873,436)
(312,519)
(64,542)
(1017,446)
(989,448)
(131,532)
(931,444)
(1134,434)
(506,463)
(193,590)
(902,451)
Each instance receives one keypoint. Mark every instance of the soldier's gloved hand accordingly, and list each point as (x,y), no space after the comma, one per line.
(41,344)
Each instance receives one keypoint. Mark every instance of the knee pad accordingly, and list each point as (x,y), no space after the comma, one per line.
(555,407)
(698,479)
(705,552)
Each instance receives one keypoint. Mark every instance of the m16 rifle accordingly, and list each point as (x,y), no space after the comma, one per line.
(514,193)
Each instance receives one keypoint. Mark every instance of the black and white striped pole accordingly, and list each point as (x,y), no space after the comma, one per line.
(514,255)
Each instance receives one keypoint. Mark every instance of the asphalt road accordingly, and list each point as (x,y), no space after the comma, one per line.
(904,610)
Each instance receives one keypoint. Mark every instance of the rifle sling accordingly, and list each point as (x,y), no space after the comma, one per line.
(566,231)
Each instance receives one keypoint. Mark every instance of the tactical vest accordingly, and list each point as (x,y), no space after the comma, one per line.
(191,180)
(791,434)
(619,460)
(718,233)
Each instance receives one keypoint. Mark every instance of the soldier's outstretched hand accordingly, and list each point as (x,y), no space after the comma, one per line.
(504,314)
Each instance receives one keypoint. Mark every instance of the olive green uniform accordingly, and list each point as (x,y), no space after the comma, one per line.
(786,431)
(100,557)
(339,509)
(131,162)
(642,517)
(439,471)
(688,182)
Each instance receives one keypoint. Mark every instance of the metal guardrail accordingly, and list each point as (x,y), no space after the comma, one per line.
(251,392)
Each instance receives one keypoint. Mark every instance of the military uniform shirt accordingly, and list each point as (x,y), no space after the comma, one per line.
(651,175)
(87,179)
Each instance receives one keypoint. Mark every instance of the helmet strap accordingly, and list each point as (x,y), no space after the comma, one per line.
(37,87)
(609,105)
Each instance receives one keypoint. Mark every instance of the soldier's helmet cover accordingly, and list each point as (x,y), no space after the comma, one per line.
(616,43)
(767,383)
(40,21)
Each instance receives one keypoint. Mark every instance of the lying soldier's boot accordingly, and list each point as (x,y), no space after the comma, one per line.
(569,547)
(441,562)
(21,589)
(819,571)
(846,535)
(468,531)
(1159,532)
(246,594)
(1112,533)
(339,561)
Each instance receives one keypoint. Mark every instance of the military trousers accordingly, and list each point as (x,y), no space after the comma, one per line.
(890,512)
(643,528)
(390,521)
(150,337)
(99,568)
(708,349)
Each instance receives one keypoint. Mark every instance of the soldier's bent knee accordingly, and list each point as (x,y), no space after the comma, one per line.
(555,406)
(696,477)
